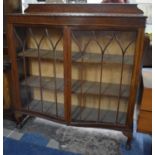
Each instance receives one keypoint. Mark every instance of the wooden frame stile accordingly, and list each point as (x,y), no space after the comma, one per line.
(134,82)
(67,73)
(14,74)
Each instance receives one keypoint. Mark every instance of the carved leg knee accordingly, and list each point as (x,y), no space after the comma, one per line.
(20,120)
(128,143)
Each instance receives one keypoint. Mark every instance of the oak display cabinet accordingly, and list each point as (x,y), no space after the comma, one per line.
(77,64)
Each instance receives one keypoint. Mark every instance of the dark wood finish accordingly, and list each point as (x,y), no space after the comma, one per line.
(8,7)
(6,86)
(67,73)
(7,95)
(13,61)
(69,18)
(135,78)
(74,20)
(129,135)
(84,8)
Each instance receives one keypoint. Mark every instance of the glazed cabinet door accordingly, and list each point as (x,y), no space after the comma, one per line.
(101,73)
(40,58)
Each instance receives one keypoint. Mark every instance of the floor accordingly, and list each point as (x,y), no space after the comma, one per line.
(87,141)
(77,140)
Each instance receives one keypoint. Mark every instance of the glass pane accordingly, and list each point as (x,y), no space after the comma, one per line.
(102,63)
(40,67)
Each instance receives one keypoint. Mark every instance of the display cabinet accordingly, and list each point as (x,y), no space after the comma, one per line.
(77,64)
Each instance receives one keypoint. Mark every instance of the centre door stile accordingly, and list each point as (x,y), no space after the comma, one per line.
(67,73)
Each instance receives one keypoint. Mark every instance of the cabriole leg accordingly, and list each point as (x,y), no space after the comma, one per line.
(21,119)
(128,134)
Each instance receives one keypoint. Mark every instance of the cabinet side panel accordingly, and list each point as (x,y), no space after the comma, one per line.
(14,73)
(135,75)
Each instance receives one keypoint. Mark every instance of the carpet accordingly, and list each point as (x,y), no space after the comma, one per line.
(141,145)
(83,141)
(20,147)
(86,142)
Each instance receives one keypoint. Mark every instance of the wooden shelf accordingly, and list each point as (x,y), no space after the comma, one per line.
(44,54)
(45,107)
(107,89)
(85,115)
(46,83)
(90,88)
(77,56)
(107,58)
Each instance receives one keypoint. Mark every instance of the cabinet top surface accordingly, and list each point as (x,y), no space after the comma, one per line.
(123,10)
(119,15)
